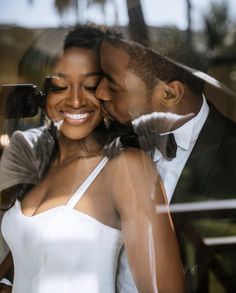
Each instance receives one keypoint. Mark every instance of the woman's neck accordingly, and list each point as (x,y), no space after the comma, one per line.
(70,149)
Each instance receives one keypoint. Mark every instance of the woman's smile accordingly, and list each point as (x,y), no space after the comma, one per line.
(77,118)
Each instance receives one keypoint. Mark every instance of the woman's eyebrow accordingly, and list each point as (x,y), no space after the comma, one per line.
(63,75)
(58,74)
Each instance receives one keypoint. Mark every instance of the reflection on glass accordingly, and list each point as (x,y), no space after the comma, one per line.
(4,140)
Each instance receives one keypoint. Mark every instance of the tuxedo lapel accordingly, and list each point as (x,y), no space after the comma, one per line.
(193,183)
(194,176)
(209,173)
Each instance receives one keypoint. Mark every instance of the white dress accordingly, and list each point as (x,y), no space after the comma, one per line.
(62,250)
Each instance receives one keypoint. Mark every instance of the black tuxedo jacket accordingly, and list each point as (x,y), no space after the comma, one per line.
(209,174)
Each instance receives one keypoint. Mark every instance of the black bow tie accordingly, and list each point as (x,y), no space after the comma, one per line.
(148,140)
(148,128)
(166,144)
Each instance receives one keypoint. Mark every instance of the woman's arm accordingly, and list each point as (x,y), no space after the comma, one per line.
(6,273)
(5,288)
(149,236)
(6,265)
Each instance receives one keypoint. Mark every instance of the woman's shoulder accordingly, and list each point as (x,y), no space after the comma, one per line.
(131,153)
(31,136)
(24,159)
(132,158)
(132,176)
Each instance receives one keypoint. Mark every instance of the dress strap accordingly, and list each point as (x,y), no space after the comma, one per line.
(85,185)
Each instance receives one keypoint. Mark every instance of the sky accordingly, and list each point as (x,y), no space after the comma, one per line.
(42,13)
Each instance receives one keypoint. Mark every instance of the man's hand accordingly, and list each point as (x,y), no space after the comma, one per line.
(5,288)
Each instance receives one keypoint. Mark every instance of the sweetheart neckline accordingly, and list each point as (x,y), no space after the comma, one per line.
(71,209)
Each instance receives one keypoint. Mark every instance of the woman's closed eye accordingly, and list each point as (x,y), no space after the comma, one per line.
(57,88)
(55,84)
(91,87)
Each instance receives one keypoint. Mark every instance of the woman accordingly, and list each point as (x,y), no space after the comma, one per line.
(66,232)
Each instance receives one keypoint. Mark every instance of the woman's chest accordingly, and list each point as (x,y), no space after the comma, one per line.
(59,186)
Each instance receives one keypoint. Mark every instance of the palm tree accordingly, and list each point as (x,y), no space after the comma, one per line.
(189,18)
(63,5)
(216,24)
(102,4)
(81,6)
(137,26)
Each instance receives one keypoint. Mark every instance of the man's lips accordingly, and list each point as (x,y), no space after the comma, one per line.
(106,113)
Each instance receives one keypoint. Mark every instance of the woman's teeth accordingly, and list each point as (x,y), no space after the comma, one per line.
(76,116)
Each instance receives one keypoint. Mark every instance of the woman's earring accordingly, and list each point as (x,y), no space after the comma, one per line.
(47,121)
(107,122)
(50,126)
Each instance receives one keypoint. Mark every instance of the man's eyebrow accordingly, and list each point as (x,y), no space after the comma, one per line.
(94,73)
(109,77)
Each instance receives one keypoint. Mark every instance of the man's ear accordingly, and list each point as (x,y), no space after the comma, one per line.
(172,93)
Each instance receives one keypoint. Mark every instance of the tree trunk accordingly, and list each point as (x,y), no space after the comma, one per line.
(137,26)
(189,18)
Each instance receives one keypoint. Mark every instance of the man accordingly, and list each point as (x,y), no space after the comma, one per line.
(140,82)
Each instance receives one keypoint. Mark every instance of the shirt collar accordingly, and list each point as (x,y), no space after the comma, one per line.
(189,132)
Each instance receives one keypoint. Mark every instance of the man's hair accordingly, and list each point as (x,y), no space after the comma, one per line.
(152,67)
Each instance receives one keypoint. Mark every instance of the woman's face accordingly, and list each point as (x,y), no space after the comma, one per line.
(71,95)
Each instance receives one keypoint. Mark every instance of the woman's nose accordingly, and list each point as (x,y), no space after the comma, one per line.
(76,97)
(102,91)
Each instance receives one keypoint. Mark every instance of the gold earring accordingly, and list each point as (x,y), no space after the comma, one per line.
(107,122)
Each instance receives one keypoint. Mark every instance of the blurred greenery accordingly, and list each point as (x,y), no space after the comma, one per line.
(219,228)
(216,228)
(216,24)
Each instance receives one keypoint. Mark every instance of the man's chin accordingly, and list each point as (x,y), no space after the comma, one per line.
(108,114)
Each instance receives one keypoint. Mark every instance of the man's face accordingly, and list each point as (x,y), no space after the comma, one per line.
(124,93)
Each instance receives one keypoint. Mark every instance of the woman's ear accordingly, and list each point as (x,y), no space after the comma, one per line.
(173,93)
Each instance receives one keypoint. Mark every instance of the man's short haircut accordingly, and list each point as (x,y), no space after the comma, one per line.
(151,66)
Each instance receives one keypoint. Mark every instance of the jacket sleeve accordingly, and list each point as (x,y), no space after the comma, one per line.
(26,157)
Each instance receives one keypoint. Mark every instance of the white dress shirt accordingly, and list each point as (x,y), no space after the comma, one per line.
(185,137)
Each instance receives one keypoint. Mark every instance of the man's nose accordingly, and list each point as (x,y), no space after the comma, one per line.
(102,91)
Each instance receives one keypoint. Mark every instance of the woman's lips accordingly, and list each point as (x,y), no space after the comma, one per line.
(76,118)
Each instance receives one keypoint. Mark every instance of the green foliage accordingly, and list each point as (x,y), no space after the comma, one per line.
(63,5)
(216,24)
(100,2)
